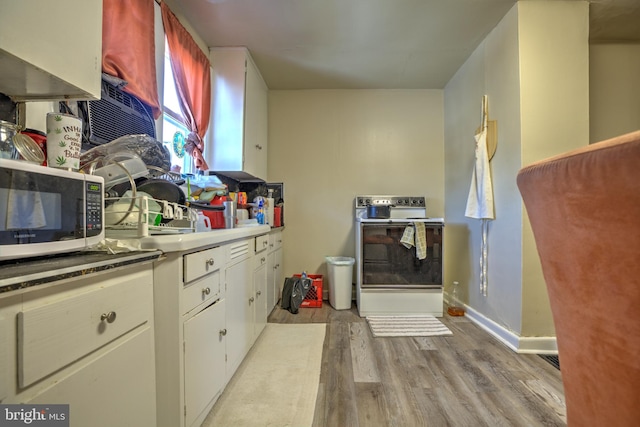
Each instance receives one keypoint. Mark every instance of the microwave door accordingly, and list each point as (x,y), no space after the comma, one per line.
(40,208)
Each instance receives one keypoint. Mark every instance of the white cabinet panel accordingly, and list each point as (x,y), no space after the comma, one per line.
(239,321)
(204,354)
(53,335)
(51,49)
(261,294)
(238,114)
(198,264)
(4,357)
(200,291)
(262,243)
(53,340)
(113,390)
(275,272)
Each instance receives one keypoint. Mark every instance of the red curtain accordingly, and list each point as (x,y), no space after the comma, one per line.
(128,48)
(192,74)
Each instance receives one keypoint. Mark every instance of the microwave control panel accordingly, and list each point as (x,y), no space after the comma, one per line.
(95,202)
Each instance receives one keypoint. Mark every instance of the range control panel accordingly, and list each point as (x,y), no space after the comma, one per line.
(391,201)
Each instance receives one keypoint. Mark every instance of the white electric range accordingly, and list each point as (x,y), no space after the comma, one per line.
(398,259)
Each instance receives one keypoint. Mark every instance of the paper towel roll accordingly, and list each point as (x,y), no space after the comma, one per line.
(270,205)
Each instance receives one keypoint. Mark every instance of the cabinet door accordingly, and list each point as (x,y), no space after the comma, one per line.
(239,318)
(279,275)
(38,60)
(260,289)
(272,291)
(4,356)
(116,389)
(227,109)
(255,123)
(204,354)
(238,140)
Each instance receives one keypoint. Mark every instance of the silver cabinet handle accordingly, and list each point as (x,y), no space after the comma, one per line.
(251,300)
(262,260)
(206,291)
(223,332)
(210,261)
(259,293)
(110,317)
(259,147)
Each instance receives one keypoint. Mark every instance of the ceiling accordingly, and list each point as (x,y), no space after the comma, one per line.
(371,44)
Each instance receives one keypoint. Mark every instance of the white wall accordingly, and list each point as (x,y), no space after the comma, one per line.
(614,90)
(554,64)
(328,146)
(492,69)
(534,69)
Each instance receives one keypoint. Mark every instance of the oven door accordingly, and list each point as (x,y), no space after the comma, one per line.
(387,264)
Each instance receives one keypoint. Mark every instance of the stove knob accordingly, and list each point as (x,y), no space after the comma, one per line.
(368,201)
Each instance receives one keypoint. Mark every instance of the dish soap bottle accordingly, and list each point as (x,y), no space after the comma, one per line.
(260,214)
(455,307)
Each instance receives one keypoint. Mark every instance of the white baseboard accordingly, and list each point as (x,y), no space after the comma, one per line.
(535,345)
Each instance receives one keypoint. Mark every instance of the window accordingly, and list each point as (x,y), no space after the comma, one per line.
(174,133)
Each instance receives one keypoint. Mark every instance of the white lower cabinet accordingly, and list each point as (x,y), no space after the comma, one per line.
(260,291)
(85,342)
(190,312)
(275,271)
(204,354)
(116,389)
(239,291)
(210,307)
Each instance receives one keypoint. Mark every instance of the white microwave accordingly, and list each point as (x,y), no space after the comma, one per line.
(45,210)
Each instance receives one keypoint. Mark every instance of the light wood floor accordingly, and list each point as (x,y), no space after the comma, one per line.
(468,379)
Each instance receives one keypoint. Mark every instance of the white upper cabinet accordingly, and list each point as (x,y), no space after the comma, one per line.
(238,128)
(50,49)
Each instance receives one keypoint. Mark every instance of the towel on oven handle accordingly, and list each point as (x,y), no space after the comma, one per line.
(415,235)
(408,239)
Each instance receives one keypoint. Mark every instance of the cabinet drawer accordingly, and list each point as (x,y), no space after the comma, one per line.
(201,290)
(53,335)
(202,263)
(262,242)
(259,260)
(275,241)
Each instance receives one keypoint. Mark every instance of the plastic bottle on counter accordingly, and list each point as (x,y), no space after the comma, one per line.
(270,208)
(260,215)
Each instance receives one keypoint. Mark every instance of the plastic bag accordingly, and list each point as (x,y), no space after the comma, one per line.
(150,150)
(293,293)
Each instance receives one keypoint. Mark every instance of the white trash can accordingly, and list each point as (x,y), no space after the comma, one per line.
(340,274)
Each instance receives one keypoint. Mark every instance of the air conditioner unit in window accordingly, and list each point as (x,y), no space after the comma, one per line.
(117,114)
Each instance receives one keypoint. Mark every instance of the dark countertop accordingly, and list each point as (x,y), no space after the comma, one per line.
(28,272)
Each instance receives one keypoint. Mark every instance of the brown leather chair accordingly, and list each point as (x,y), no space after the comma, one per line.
(584,208)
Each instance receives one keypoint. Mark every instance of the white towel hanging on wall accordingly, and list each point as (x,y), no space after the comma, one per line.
(480,199)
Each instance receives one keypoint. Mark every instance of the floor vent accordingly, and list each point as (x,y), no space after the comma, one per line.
(553,359)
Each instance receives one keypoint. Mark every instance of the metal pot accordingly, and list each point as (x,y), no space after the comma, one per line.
(378,212)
